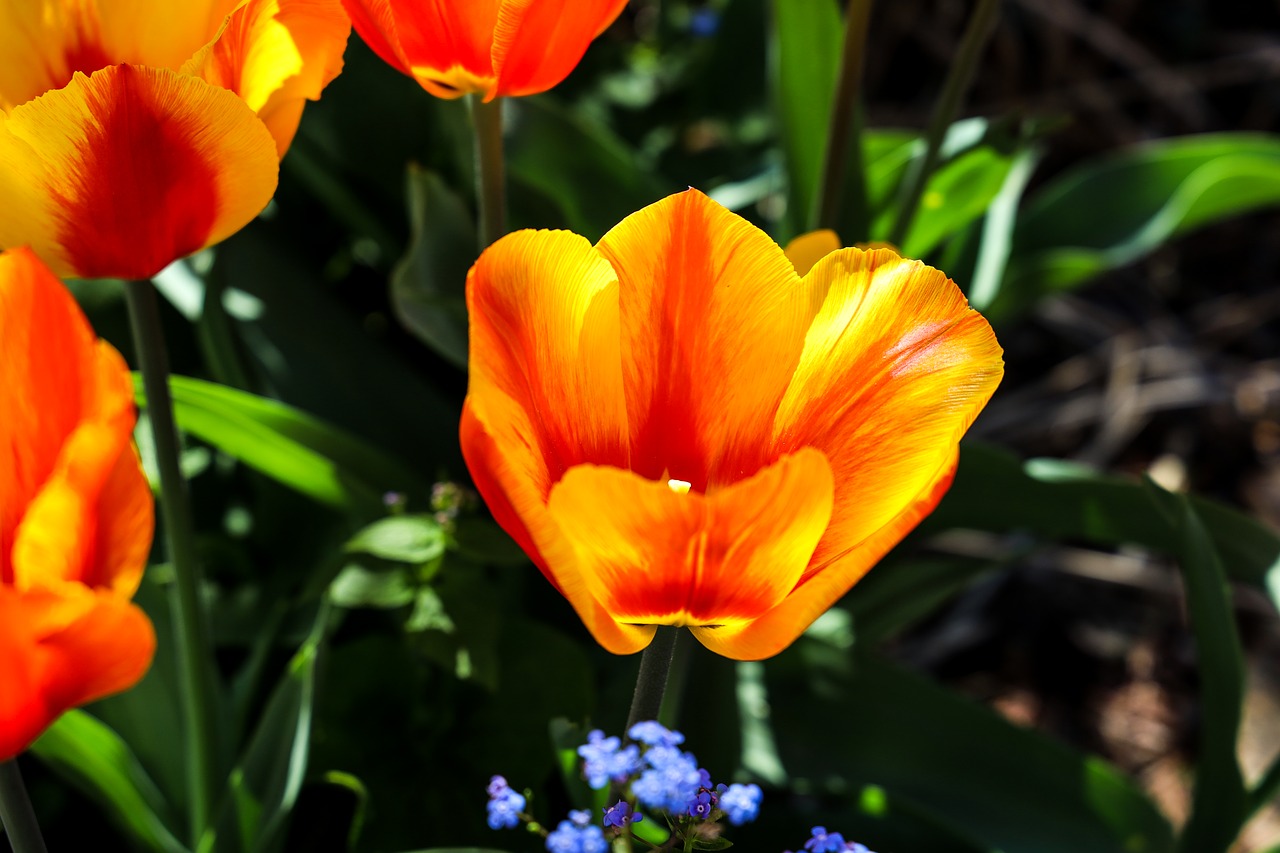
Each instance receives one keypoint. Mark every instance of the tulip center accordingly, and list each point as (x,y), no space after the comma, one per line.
(680,487)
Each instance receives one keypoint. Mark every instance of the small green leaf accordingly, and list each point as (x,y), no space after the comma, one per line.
(92,756)
(356,586)
(428,284)
(956,194)
(401,538)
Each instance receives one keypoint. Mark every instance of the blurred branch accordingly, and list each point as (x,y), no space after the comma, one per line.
(844,136)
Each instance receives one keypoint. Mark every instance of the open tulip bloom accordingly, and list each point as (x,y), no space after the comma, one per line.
(680,430)
(491,48)
(135,132)
(76,514)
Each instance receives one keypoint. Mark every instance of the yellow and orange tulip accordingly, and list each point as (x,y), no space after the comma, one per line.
(492,48)
(135,132)
(76,513)
(681,430)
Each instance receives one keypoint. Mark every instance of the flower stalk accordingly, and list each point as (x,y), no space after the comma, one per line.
(655,670)
(491,179)
(954,89)
(16,813)
(194,657)
(844,135)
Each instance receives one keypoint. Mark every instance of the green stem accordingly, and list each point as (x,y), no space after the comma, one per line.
(491,180)
(651,682)
(16,813)
(944,112)
(194,656)
(1265,791)
(844,134)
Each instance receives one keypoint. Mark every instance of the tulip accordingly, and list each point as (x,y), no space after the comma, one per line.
(681,430)
(76,514)
(492,48)
(135,133)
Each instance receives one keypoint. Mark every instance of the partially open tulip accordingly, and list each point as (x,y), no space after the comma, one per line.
(135,132)
(681,430)
(492,48)
(76,513)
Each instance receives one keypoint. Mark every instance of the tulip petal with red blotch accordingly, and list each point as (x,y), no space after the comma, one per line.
(60,651)
(122,172)
(276,55)
(536,43)
(713,323)
(447,45)
(651,555)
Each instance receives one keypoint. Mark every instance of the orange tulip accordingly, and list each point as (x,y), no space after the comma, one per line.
(492,48)
(76,514)
(135,132)
(680,430)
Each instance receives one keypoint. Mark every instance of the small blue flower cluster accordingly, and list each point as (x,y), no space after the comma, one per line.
(505,805)
(831,842)
(577,835)
(666,777)
(658,775)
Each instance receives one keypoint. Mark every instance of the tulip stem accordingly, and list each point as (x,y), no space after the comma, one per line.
(651,683)
(491,179)
(16,813)
(194,656)
(954,88)
(844,135)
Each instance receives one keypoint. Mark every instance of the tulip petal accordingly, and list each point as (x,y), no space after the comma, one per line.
(276,54)
(446,44)
(713,323)
(651,554)
(120,173)
(818,590)
(375,22)
(536,43)
(807,249)
(59,652)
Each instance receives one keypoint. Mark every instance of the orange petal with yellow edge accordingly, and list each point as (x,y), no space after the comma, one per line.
(820,589)
(446,44)
(536,43)
(120,173)
(653,554)
(58,652)
(713,322)
(276,55)
(76,507)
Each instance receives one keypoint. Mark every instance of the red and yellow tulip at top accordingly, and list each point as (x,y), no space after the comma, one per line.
(491,48)
(76,514)
(136,132)
(680,429)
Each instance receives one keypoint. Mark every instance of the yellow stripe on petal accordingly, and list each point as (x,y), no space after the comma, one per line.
(276,55)
(123,172)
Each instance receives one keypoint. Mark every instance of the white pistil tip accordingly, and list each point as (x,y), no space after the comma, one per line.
(680,487)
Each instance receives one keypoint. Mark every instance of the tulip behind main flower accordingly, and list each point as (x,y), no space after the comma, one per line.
(76,513)
(133,134)
(680,430)
(491,48)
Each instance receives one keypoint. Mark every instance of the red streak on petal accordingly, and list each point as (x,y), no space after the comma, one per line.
(85,56)
(143,196)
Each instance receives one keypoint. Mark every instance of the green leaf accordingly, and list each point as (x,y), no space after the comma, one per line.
(1220,803)
(996,245)
(265,782)
(1002,786)
(956,194)
(428,284)
(806,63)
(1110,212)
(92,756)
(402,538)
(887,601)
(356,586)
(594,177)
(995,491)
(291,447)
